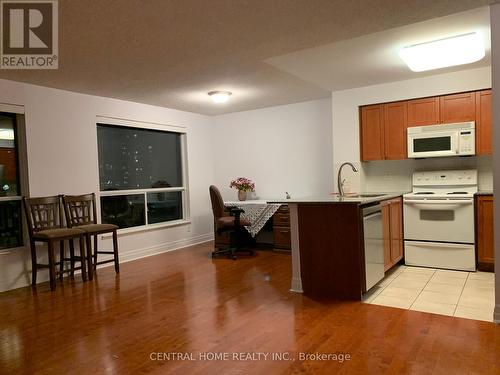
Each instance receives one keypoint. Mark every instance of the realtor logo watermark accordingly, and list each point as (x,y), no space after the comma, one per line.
(29,37)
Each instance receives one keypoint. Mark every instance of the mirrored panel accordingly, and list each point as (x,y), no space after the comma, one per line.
(164,206)
(126,211)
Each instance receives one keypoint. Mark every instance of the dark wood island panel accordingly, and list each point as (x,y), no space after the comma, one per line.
(331,256)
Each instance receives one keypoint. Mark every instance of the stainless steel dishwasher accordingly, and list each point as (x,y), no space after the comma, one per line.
(374,245)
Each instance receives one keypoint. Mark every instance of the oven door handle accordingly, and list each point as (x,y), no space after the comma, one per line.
(437,205)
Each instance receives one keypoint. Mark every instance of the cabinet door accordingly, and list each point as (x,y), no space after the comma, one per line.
(395,120)
(372,118)
(423,111)
(386,227)
(282,237)
(396,230)
(484,123)
(458,107)
(485,247)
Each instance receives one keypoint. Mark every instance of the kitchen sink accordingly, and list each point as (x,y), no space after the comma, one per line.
(364,196)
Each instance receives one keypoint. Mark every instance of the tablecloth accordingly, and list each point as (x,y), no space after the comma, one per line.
(257,212)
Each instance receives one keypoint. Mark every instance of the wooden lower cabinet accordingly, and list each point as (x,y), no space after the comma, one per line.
(281,232)
(281,229)
(392,222)
(484,226)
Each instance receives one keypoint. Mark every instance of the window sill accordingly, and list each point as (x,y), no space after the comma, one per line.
(147,228)
(11,250)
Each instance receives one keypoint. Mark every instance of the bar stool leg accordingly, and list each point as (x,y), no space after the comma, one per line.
(115,250)
(52,268)
(34,264)
(72,257)
(82,258)
(95,252)
(61,259)
(89,256)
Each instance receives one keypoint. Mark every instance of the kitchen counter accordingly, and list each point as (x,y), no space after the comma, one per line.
(331,199)
(485,192)
(328,246)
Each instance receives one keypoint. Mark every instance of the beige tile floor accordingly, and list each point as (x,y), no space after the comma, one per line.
(455,293)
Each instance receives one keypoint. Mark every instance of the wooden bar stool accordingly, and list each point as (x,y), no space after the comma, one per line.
(45,225)
(81,213)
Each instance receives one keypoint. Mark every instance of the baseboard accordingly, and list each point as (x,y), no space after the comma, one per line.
(161,248)
(496,314)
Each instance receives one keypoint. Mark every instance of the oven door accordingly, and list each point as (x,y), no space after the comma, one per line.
(432,145)
(439,220)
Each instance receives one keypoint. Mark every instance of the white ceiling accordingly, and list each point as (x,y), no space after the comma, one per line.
(171,53)
(374,59)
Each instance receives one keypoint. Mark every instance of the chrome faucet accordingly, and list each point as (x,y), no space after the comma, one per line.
(340,182)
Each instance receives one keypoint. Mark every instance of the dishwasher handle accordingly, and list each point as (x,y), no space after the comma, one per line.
(371,210)
(371,216)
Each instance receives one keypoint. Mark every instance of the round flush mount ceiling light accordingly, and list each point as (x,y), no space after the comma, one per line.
(219,96)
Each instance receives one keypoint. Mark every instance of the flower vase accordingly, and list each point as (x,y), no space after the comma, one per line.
(242,195)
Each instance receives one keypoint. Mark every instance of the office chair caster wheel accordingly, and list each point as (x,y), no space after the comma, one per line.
(233,257)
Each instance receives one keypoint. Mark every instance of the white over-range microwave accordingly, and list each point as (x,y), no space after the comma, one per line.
(442,140)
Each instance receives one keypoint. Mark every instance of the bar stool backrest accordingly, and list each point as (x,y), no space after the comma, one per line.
(80,209)
(43,213)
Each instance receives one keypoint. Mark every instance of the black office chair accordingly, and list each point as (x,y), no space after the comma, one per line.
(227,219)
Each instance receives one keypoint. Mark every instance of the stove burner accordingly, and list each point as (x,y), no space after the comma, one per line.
(424,193)
(457,192)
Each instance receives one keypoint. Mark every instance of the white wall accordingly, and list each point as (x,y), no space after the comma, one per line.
(390,176)
(495,65)
(283,148)
(62,158)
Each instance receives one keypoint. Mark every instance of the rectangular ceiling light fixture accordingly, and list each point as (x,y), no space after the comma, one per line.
(456,50)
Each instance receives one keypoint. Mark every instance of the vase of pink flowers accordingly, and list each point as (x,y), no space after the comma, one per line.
(243,185)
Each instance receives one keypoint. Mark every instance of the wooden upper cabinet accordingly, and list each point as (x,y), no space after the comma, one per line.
(395,122)
(384,126)
(484,123)
(484,223)
(423,111)
(458,107)
(371,131)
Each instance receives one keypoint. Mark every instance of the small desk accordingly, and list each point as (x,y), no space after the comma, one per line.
(257,212)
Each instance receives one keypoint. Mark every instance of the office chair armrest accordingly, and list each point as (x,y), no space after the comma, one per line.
(233,211)
(236,212)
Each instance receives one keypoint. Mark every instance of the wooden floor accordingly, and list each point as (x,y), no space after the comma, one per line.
(185,302)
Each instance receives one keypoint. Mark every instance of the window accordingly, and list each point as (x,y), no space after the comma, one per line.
(11,233)
(141,175)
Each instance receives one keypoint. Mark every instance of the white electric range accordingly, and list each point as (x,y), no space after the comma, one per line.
(439,220)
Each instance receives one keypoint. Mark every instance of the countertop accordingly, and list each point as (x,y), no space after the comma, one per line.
(330,199)
(485,192)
